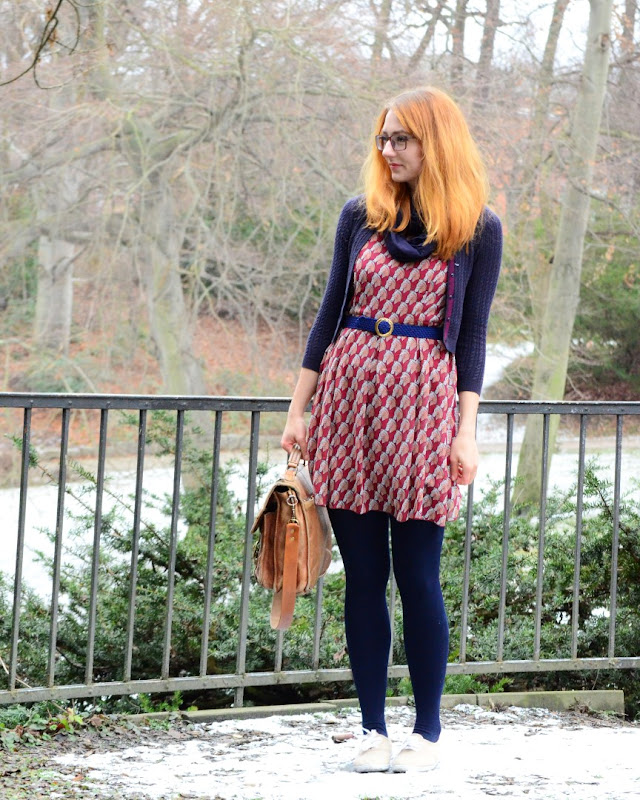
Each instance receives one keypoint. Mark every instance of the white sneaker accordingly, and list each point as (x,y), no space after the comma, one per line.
(416,755)
(374,754)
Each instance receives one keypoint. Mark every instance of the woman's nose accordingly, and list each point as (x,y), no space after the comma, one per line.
(388,150)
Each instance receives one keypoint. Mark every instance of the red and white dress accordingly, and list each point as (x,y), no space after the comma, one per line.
(384,412)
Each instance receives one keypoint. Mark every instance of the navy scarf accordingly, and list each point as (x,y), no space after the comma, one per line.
(408,245)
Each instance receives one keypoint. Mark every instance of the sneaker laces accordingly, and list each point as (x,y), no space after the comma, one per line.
(368,739)
(413,742)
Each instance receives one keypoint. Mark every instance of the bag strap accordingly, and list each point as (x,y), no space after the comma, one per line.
(284,601)
(293,461)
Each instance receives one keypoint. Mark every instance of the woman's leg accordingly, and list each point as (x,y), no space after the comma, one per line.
(363,540)
(416,546)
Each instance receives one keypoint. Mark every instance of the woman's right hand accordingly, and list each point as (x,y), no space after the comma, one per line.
(295,432)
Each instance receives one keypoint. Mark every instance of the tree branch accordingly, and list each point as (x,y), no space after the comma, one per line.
(48,36)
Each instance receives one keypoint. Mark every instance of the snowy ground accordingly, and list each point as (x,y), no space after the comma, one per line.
(514,753)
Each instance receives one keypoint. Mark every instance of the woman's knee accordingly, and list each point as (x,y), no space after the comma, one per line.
(416,561)
(363,541)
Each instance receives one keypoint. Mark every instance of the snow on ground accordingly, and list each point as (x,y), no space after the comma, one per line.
(514,753)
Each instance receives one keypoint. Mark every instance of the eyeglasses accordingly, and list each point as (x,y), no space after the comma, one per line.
(398,142)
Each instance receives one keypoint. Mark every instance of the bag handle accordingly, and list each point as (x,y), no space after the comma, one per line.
(293,460)
(284,601)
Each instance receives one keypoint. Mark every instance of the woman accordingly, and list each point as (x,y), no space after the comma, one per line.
(395,362)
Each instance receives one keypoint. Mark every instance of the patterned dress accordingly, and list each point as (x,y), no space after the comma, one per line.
(384,412)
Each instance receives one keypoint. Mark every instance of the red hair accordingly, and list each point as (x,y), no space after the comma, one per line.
(452,187)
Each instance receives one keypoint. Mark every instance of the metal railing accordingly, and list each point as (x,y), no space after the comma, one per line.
(217,410)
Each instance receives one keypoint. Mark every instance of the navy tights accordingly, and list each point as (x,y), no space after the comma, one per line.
(363,540)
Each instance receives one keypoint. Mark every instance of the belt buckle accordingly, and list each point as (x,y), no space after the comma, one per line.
(379,333)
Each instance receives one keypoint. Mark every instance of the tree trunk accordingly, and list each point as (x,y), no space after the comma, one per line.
(169,317)
(483,72)
(383,16)
(526,252)
(54,300)
(628,94)
(629,25)
(457,43)
(57,251)
(427,36)
(564,283)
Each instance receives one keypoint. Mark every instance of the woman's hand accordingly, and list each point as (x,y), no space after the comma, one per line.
(464,458)
(295,432)
(464,450)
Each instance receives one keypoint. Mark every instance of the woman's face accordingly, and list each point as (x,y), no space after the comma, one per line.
(405,165)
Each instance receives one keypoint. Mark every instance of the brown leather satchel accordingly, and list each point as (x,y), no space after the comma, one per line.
(294,547)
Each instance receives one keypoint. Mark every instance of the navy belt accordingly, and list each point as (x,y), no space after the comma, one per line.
(384,327)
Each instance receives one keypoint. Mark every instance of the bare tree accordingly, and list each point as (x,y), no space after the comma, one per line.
(193,157)
(564,284)
(433,17)
(209,211)
(487,46)
(458,29)
(382,15)
(529,186)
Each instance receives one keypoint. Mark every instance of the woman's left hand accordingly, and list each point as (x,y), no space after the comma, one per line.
(464,458)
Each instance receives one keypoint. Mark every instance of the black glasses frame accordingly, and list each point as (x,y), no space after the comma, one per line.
(398,141)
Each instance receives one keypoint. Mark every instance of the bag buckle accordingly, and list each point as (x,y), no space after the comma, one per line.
(292,502)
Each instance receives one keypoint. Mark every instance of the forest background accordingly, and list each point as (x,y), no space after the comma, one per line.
(172,174)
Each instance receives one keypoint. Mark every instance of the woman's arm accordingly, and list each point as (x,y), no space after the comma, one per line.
(464,449)
(323,329)
(478,296)
(335,293)
(295,431)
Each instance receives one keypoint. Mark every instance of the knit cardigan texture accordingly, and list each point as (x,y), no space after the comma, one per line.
(472,276)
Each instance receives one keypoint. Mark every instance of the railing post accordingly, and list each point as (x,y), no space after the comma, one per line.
(95,560)
(393,602)
(213,510)
(57,559)
(615,540)
(541,538)
(173,543)
(506,521)
(17,585)
(466,576)
(248,555)
(575,612)
(135,542)
(317,626)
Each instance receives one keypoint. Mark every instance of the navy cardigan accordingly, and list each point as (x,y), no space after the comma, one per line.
(471,284)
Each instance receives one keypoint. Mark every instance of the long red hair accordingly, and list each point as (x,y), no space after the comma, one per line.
(452,187)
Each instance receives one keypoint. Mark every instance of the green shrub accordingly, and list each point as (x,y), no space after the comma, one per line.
(557,595)
(188,598)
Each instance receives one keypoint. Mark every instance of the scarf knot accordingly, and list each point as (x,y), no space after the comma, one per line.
(409,245)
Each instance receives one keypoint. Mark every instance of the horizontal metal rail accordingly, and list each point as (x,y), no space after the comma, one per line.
(203,678)
(294,677)
(133,402)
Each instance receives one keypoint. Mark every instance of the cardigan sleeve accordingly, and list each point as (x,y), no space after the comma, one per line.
(327,318)
(480,289)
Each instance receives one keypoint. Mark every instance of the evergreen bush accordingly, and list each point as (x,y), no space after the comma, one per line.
(188,602)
